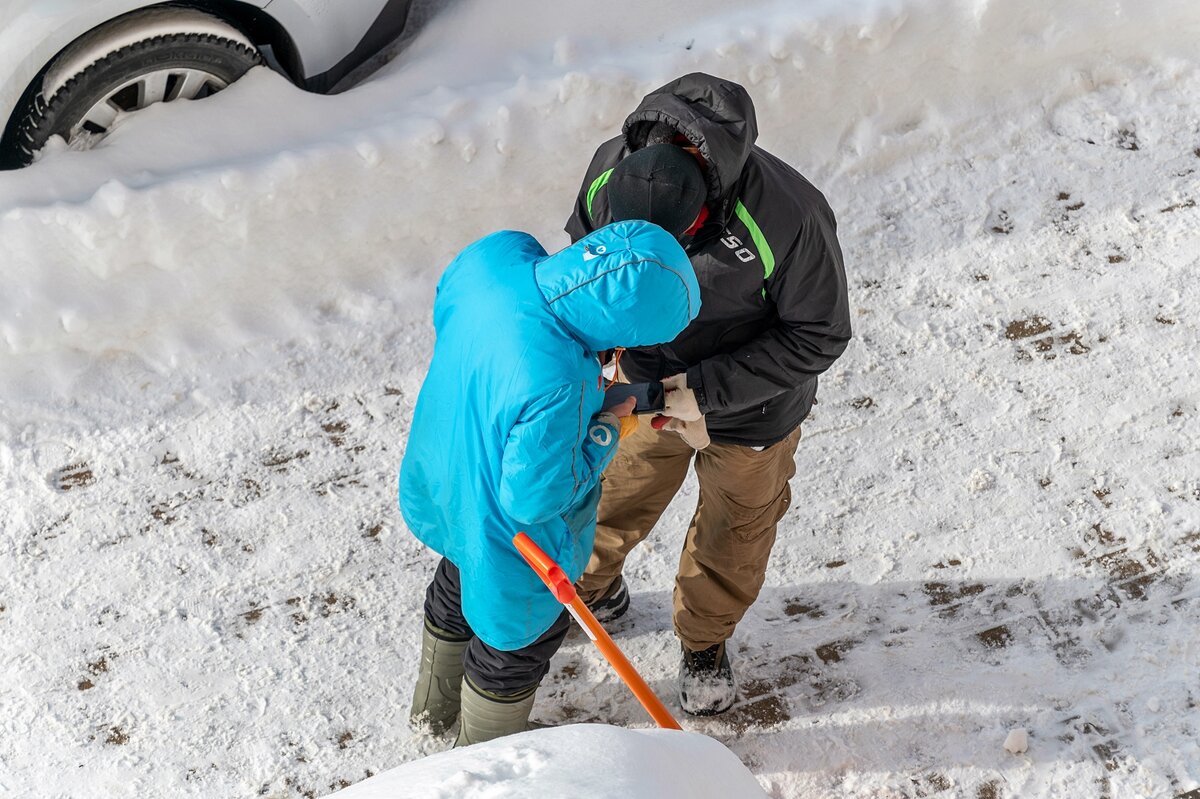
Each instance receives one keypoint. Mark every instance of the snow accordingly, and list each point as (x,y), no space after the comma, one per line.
(582,761)
(213,329)
(1016,742)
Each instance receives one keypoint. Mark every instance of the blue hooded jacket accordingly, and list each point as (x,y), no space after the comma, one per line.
(505,436)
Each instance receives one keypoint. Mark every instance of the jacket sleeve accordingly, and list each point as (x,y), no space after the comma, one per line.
(579,225)
(554,455)
(809,292)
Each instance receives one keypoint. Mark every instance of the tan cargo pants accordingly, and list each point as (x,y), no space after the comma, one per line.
(743,495)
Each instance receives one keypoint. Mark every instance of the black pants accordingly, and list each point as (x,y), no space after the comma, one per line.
(490,669)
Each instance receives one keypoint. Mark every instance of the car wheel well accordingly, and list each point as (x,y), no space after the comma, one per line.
(260,27)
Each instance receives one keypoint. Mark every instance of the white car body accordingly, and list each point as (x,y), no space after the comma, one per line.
(323,35)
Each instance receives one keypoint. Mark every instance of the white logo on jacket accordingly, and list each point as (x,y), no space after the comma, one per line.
(600,434)
(734,243)
(590,252)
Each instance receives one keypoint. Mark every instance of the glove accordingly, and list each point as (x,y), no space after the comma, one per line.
(626,425)
(629,426)
(604,417)
(679,401)
(695,432)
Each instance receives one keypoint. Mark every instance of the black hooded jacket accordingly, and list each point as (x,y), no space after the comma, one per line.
(774,312)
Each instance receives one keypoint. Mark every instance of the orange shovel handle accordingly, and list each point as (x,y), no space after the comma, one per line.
(550,572)
(556,580)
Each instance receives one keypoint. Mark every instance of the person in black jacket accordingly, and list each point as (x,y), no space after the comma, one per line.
(742,375)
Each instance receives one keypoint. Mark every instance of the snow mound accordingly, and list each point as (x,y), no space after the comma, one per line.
(582,761)
(266,213)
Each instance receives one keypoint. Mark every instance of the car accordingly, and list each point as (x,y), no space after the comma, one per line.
(76,68)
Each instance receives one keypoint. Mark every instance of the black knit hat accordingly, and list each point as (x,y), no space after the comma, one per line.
(661,184)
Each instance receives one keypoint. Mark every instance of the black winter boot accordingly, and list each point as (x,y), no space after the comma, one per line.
(706,684)
(612,606)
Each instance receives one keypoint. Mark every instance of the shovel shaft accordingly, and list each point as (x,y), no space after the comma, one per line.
(625,670)
(556,580)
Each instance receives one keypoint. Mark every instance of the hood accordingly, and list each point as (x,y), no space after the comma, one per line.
(629,284)
(716,115)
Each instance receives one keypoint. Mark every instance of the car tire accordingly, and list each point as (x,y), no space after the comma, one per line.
(160,69)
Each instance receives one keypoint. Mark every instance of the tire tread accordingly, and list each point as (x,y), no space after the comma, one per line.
(41,117)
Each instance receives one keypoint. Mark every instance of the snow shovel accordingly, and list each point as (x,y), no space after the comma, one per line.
(556,580)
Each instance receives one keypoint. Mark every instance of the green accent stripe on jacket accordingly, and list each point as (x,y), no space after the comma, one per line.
(760,241)
(595,187)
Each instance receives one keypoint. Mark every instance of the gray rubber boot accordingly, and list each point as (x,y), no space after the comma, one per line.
(486,715)
(439,682)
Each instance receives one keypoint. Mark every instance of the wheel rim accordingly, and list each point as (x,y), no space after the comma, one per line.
(164,85)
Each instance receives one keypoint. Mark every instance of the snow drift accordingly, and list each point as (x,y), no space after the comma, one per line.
(179,233)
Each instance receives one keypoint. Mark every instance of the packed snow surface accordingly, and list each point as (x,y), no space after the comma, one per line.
(213,329)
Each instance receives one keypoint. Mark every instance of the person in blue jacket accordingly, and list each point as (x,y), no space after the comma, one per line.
(508,436)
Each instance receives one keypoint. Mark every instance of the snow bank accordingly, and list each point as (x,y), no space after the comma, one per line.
(580,761)
(265,211)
